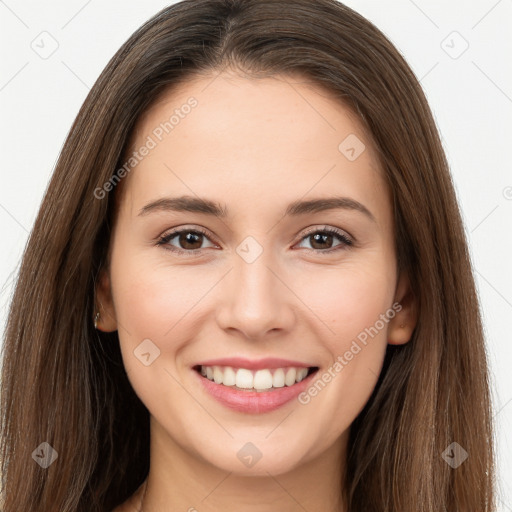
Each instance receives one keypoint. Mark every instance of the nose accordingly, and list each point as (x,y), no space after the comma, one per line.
(256,299)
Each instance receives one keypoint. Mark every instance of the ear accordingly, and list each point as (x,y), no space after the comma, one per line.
(104,304)
(401,326)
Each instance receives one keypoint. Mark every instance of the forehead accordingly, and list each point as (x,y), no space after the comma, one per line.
(267,139)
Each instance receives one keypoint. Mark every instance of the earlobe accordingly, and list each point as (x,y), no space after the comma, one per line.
(402,325)
(104,314)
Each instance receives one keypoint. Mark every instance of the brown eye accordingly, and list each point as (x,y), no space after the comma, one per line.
(187,240)
(322,240)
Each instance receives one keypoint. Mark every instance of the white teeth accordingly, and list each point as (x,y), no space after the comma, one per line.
(278,378)
(260,380)
(229,376)
(301,374)
(217,375)
(289,379)
(244,378)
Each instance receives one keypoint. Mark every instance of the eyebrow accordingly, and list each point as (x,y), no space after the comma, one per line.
(296,208)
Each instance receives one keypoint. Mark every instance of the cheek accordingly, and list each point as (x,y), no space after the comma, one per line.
(157,301)
(348,299)
(152,301)
(149,301)
(355,304)
(157,304)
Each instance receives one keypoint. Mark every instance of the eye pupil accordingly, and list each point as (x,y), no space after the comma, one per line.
(321,237)
(188,237)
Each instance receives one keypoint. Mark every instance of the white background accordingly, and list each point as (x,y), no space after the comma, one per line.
(471,97)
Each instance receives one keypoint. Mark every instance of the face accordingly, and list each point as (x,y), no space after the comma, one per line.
(251,275)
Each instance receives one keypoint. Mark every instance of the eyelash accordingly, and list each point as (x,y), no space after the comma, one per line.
(165,239)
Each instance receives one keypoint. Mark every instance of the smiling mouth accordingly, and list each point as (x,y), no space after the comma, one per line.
(243,379)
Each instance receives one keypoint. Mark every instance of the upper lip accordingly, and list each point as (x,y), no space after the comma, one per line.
(253,364)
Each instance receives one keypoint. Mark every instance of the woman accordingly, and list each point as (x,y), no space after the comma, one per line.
(254,372)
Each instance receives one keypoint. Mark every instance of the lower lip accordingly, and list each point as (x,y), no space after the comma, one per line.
(254,402)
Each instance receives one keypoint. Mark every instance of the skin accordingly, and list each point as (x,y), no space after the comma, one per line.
(253,146)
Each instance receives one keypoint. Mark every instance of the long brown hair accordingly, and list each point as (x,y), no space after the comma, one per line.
(64,383)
